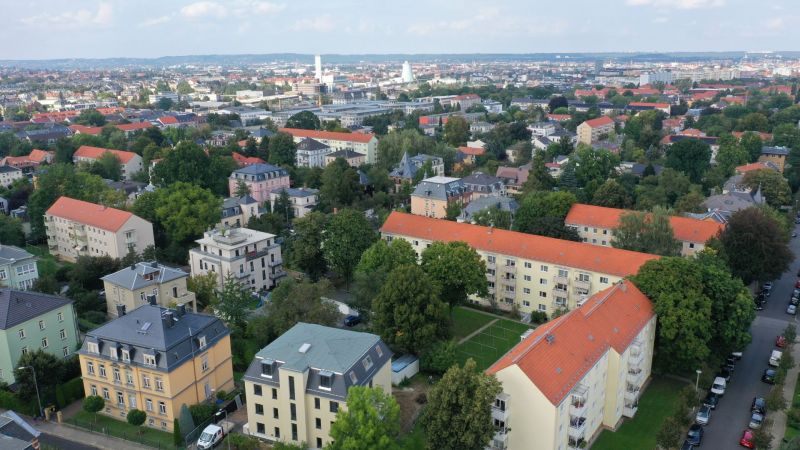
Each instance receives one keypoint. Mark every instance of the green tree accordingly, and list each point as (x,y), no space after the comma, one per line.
(187,162)
(439,357)
(374,266)
(751,143)
(408,313)
(456,131)
(340,186)
(773,186)
(670,434)
(299,301)
(347,235)
(392,146)
(307,253)
(282,149)
(756,246)
(93,404)
(107,166)
(184,210)
(242,189)
(457,268)
(49,373)
(690,202)
(233,301)
(184,88)
(541,212)
(11,231)
(305,120)
(370,421)
(136,418)
(648,233)
(90,117)
(539,178)
(611,194)
(730,155)
(691,157)
(204,288)
(240,441)
(493,217)
(459,411)
(594,165)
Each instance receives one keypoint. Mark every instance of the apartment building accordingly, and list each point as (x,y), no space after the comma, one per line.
(433,195)
(596,225)
(251,257)
(18,268)
(535,273)
(130,162)
(156,360)
(142,283)
(8,175)
(76,228)
(297,384)
(594,130)
(237,211)
(303,200)
(364,143)
(260,179)
(774,155)
(577,374)
(30,321)
(311,153)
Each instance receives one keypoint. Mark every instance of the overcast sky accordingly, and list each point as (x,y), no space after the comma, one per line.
(37,29)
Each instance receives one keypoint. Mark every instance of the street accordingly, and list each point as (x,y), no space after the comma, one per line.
(63,444)
(733,412)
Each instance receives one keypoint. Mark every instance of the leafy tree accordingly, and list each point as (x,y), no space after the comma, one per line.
(90,117)
(773,186)
(756,246)
(730,155)
(11,231)
(347,235)
(107,166)
(452,211)
(557,102)
(751,143)
(648,233)
(439,357)
(611,194)
(299,301)
(183,210)
(282,149)
(494,217)
(240,441)
(307,254)
(189,163)
(456,131)
(233,301)
(670,433)
(540,211)
(242,189)
(690,202)
(164,104)
(340,186)
(594,165)
(392,146)
(373,268)
(136,417)
(184,88)
(457,268)
(93,404)
(459,411)
(370,421)
(691,157)
(539,178)
(305,120)
(408,313)
(49,371)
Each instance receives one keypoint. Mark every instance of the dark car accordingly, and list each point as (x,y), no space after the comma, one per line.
(687,446)
(351,321)
(769,376)
(695,435)
(759,405)
(711,400)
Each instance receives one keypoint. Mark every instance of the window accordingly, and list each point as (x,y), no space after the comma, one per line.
(41,325)
(543,268)
(126,355)
(162,408)
(584,277)
(65,351)
(325,380)
(117,376)
(543,294)
(21,333)
(691,244)
(334,407)
(542,307)
(149,360)
(62,334)
(319,442)
(353,378)
(275,413)
(294,431)
(112,352)
(148,404)
(129,378)
(528,265)
(526,277)
(562,273)
(146,381)
(291,388)
(60,317)
(318,423)
(204,363)
(159,384)
(277,432)
(526,290)
(259,409)
(90,367)
(94,390)
(257,389)
(3,275)
(604,280)
(201,342)
(102,371)
(44,342)
(267,367)
(526,303)
(316,403)
(292,411)
(105,394)
(120,400)
(260,428)
(379,351)
(274,394)
(132,400)
(367,362)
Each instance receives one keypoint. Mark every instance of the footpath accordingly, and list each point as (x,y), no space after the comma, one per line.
(779,418)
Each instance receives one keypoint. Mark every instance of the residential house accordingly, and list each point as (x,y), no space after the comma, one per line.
(16,433)
(243,161)
(130,162)
(297,384)
(594,130)
(311,153)
(758,165)
(648,106)
(481,127)
(353,158)
(156,360)
(433,195)
(83,129)
(408,167)
(141,283)
(479,184)
(251,257)
(775,155)
(8,175)
(302,200)
(596,225)
(3,205)
(30,321)
(29,162)
(131,128)
(468,156)
(465,101)
(18,268)
(76,228)
(364,143)
(514,177)
(724,205)
(260,179)
(577,374)
(237,211)
(508,204)
(535,273)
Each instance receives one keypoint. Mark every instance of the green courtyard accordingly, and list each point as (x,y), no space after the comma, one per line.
(493,342)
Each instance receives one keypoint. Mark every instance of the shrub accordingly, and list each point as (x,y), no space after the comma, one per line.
(538,317)
(200,413)
(242,442)
(775,400)
(793,417)
(439,357)
(177,437)
(670,433)
(790,333)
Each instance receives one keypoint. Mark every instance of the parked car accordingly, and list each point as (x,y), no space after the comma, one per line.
(736,355)
(711,400)
(794,301)
(703,415)
(724,373)
(791,309)
(687,446)
(695,435)
(718,387)
(775,358)
(759,405)
(351,321)
(780,341)
(767,287)
(769,376)
(756,419)
(747,439)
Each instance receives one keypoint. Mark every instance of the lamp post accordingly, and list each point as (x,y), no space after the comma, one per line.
(223,426)
(35,386)
(697,382)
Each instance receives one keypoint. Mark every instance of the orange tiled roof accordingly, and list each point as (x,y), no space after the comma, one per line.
(85,151)
(471,150)
(759,165)
(559,117)
(133,126)
(242,160)
(765,137)
(612,261)
(98,216)
(684,228)
(600,121)
(82,129)
(558,354)
(330,135)
(168,120)
(40,156)
(654,105)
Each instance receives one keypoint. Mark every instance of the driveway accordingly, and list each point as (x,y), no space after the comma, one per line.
(733,412)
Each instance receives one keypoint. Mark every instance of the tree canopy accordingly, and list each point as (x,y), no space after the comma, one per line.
(370,421)
(306,120)
(756,246)
(347,235)
(307,254)
(647,233)
(690,156)
(457,268)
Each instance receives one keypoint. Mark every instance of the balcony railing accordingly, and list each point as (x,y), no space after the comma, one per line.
(577,427)
(632,394)
(579,400)
(500,414)
(635,376)
(241,274)
(509,269)
(636,356)
(583,284)
(500,440)
(562,280)
(629,409)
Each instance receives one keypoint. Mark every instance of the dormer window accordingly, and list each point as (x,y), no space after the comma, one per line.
(325,380)
(150,360)
(112,352)
(126,355)
(92,347)
(367,362)
(201,342)
(267,368)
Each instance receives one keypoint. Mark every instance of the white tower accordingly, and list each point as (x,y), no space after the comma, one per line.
(318,68)
(407,75)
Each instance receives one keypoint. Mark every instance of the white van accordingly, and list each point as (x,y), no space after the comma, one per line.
(211,436)
(718,387)
(775,358)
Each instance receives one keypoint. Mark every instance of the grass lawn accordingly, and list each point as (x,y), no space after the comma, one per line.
(47,264)
(492,343)
(656,404)
(122,429)
(466,320)
(792,432)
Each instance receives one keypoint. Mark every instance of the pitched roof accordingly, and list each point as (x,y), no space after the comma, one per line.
(136,276)
(134,126)
(684,228)
(87,213)
(10,254)
(612,261)
(82,129)
(599,122)
(558,354)
(759,165)
(654,105)
(168,120)
(330,135)
(242,160)
(85,151)
(17,307)
(475,151)
(37,155)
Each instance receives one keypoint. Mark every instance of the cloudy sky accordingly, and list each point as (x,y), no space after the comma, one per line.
(37,29)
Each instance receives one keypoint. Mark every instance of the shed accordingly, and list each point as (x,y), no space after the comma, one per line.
(404,367)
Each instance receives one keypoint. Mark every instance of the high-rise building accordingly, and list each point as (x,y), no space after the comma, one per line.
(407,75)
(318,67)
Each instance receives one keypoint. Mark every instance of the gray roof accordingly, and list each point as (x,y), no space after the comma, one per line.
(432,188)
(15,432)
(780,151)
(10,254)
(297,192)
(9,169)
(144,274)
(346,154)
(149,329)
(311,144)
(733,201)
(482,182)
(17,307)
(256,169)
(482,203)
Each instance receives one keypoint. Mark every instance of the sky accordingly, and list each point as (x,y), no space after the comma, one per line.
(47,29)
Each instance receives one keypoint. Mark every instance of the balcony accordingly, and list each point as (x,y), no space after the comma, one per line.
(508,269)
(490,276)
(632,393)
(508,294)
(559,303)
(577,427)
(491,265)
(579,400)
(583,284)
(131,240)
(240,275)
(635,376)
(500,440)
(257,254)
(629,409)
(636,355)
(574,444)
(275,263)
(557,279)
(500,414)
(560,290)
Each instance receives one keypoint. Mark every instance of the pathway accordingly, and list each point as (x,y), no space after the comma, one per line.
(779,418)
(478,331)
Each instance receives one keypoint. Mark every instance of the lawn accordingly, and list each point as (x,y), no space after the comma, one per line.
(466,320)
(492,343)
(656,404)
(120,429)
(47,263)
(792,431)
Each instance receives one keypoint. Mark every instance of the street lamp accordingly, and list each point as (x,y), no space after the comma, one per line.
(35,386)
(223,426)
(697,382)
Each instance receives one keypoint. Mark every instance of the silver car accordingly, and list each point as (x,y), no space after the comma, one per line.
(703,415)
(756,420)
(792,309)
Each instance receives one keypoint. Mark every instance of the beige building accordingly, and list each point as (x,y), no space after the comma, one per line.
(76,228)
(577,374)
(364,143)
(8,175)
(594,130)
(433,195)
(143,283)
(535,273)
(251,257)
(297,384)
(237,211)
(303,200)
(130,162)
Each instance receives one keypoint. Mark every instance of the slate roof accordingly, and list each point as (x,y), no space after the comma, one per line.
(308,144)
(488,202)
(10,254)
(15,432)
(779,151)
(440,188)
(133,277)
(297,192)
(17,307)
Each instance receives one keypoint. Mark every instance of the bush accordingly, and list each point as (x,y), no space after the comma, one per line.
(790,333)
(69,392)
(670,433)
(10,401)
(202,412)
(439,357)
(793,417)
(538,317)
(775,400)
(242,442)
(177,437)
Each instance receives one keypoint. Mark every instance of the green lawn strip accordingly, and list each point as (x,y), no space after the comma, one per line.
(466,321)
(47,264)
(122,429)
(492,343)
(656,404)
(792,431)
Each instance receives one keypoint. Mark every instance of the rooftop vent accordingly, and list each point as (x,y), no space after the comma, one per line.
(304,348)
(550,338)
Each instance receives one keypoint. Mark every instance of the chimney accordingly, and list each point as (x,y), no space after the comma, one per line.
(166,319)
(120,310)
(181,309)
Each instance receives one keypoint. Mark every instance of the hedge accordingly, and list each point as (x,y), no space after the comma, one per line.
(69,392)
(10,401)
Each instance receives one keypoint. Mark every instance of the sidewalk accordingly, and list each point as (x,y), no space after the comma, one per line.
(779,418)
(75,434)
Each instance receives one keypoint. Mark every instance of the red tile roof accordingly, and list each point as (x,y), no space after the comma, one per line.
(82,129)
(168,120)
(558,354)
(242,160)
(134,126)
(765,137)
(600,122)
(471,150)
(654,105)
(40,156)
(760,165)
(330,135)
(684,228)
(559,117)
(98,216)
(594,258)
(85,151)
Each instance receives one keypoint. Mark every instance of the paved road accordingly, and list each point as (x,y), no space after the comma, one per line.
(732,414)
(64,444)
